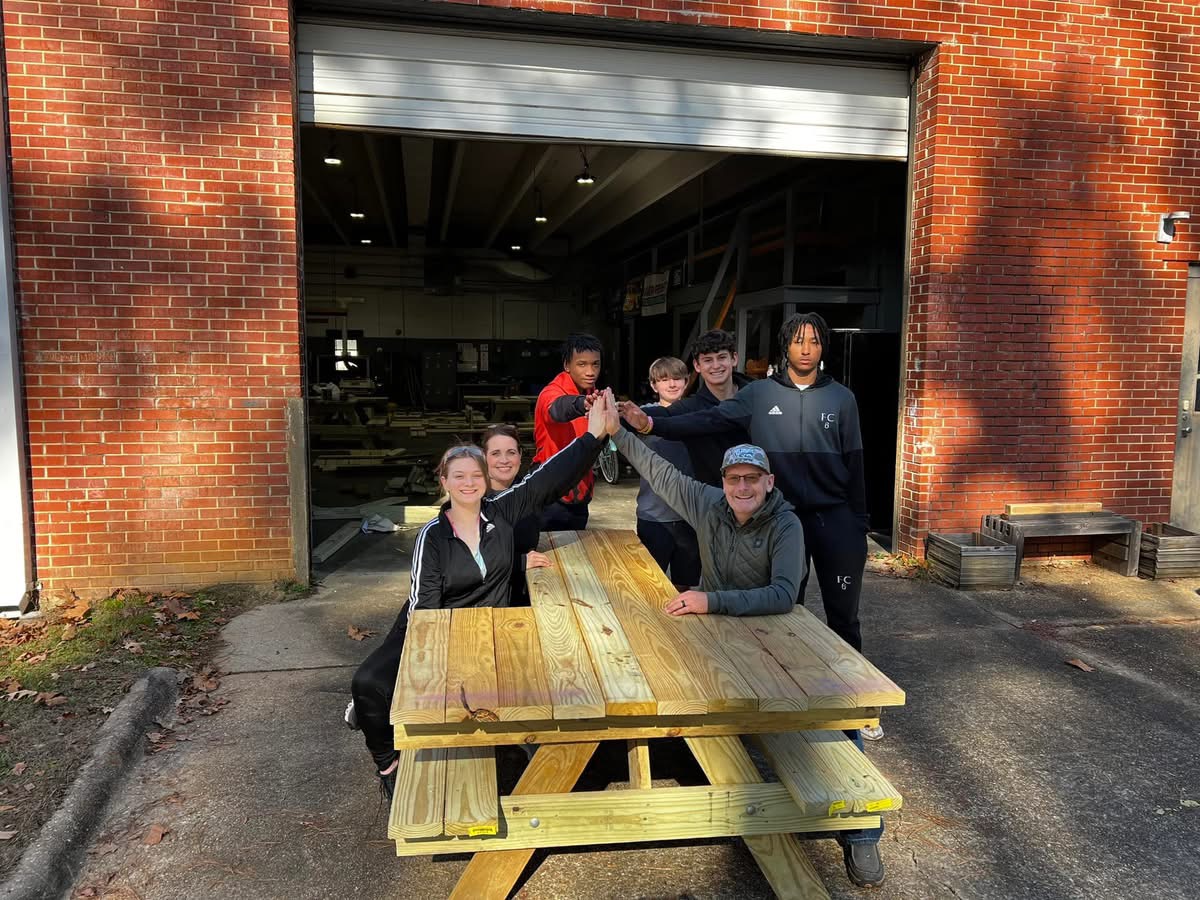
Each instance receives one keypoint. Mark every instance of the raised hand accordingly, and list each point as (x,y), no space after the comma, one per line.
(634,415)
(612,421)
(588,399)
(598,416)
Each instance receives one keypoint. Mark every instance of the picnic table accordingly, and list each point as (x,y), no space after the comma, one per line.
(597,659)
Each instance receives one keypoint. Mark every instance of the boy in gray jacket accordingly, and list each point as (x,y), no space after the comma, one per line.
(751,545)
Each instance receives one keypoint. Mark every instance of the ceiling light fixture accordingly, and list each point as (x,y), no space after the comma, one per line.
(332,157)
(365,241)
(515,248)
(540,216)
(584,177)
(358,215)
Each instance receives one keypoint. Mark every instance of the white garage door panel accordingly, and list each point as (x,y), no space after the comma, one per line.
(471,85)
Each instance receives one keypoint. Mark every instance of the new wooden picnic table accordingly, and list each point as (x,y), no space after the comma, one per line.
(596,659)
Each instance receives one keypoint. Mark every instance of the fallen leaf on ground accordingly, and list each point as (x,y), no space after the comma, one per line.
(1080,664)
(19,768)
(7,809)
(202,681)
(77,610)
(7,835)
(49,698)
(1192,804)
(154,737)
(359,634)
(176,608)
(68,632)
(21,694)
(87,667)
(133,647)
(155,835)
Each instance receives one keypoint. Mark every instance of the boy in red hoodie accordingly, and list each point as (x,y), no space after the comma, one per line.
(559,418)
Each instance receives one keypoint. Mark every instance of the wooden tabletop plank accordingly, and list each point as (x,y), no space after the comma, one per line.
(869,686)
(825,690)
(420,694)
(418,808)
(520,673)
(688,667)
(626,690)
(472,796)
(776,691)
(574,689)
(471,689)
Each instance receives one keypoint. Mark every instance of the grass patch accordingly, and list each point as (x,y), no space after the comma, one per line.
(61,675)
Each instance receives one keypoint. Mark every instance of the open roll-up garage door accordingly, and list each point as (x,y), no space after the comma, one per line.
(462,84)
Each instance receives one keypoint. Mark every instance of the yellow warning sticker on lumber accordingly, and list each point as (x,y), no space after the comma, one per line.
(879,805)
(836,806)
(486,830)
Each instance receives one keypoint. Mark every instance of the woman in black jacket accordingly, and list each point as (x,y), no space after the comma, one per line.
(464,557)
(502,448)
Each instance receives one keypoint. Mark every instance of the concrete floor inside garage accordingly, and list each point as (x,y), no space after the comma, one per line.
(1022,776)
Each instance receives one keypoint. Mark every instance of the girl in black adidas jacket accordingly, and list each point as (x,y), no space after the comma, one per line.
(464,557)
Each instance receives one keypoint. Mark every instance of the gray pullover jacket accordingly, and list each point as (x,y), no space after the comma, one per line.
(749,570)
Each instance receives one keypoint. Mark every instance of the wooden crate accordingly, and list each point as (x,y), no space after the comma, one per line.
(971,561)
(1169,552)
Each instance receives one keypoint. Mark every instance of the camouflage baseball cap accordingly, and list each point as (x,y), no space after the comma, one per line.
(746,454)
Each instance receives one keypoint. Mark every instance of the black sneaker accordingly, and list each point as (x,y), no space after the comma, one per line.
(351,716)
(864,866)
(387,784)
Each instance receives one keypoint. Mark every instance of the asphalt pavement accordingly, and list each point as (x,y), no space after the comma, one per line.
(1023,776)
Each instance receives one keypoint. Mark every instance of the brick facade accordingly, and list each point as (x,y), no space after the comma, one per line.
(1045,323)
(154,217)
(156,245)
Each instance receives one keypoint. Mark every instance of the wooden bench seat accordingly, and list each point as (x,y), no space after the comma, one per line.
(445,792)
(1119,554)
(827,775)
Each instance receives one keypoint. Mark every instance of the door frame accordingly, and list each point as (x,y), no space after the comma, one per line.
(1185,480)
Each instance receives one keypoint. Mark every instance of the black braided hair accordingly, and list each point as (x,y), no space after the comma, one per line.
(792,327)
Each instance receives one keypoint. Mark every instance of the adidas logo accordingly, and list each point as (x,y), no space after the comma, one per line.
(775,411)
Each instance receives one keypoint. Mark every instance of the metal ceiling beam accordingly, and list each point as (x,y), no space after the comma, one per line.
(524,174)
(324,210)
(418,176)
(377,174)
(671,175)
(460,150)
(576,197)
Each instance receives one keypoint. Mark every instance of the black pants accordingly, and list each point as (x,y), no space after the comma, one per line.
(372,688)
(674,545)
(837,549)
(559,516)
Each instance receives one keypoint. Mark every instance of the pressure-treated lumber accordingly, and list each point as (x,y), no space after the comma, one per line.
(820,684)
(553,770)
(335,542)
(826,774)
(788,871)
(574,688)
(626,691)
(661,814)
(420,694)
(419,800)
(1036,509)
(868,685)
(472,797)
(689,665)
(638,751)
(471,689)
(623,728)
(520,675)
(776,691)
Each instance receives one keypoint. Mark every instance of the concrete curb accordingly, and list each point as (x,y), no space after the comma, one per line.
(52,862)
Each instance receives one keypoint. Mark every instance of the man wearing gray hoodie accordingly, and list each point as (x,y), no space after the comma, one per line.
(751,545)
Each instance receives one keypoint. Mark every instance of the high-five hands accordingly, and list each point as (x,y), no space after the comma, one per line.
(688,603)
(602,417)
(634,415)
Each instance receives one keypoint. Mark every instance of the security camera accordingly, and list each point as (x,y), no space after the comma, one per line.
(1166,225)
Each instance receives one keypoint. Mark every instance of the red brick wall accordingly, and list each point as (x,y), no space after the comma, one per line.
(1045,322)
(155,231)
